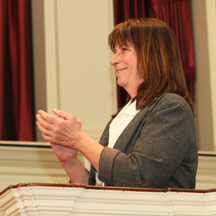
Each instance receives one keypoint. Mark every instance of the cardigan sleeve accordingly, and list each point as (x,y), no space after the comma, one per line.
(162,153)
(108,155)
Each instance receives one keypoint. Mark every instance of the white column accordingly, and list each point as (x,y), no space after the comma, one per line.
(204,109)
(51,55)
(211,32)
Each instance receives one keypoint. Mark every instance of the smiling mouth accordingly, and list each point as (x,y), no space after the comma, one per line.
(120,69)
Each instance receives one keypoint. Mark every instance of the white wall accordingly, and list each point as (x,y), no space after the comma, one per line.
(36,162)
(204,28)
(211,23)
(29,164)
(79,78)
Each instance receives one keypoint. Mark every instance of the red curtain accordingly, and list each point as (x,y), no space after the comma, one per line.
(177,14)
(16,73)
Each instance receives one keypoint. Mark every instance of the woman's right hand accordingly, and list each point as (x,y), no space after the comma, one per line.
(63,153)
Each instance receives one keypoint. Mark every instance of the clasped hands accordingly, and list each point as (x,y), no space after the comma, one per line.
(62,131)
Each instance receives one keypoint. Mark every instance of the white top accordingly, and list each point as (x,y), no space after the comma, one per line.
(117,126)
(121,121)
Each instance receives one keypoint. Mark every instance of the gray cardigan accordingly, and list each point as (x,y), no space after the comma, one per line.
(156,150)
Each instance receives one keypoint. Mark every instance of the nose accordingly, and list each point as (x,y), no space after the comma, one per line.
(114,60)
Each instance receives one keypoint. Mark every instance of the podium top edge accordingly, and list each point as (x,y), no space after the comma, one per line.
(134,189)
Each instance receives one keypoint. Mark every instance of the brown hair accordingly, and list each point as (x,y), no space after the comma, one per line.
(158,57)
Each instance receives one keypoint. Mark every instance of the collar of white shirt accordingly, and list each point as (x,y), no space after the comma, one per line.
(121,121)
(129,108)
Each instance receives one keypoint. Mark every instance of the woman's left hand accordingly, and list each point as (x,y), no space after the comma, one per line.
(63,129)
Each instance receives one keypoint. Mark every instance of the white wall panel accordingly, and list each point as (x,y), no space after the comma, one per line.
(204,29)
(79,78)
(36,162)
(86,79)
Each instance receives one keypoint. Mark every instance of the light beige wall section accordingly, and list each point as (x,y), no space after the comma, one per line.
(29,164)
(86,79)
(51,55)
(32,162)
(79,78)
(204,88)
(211,20)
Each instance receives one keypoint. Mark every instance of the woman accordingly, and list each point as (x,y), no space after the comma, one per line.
(151,142)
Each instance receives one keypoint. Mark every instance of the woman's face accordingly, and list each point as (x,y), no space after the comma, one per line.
(125,62)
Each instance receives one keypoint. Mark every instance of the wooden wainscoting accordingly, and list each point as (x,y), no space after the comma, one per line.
(24,162)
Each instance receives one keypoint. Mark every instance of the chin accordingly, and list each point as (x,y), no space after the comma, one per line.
(120,83)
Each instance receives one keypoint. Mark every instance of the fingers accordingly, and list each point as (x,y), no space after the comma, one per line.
(58,130)
(80,123)
(46,117)
(43,127)
(62,113)
(45,133)
(44,121)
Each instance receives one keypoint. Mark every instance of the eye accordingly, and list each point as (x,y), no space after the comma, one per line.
(124,49)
